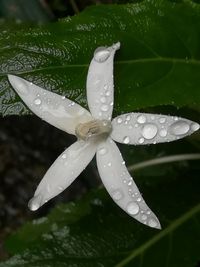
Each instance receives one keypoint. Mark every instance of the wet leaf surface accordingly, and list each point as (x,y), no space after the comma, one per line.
(158,63)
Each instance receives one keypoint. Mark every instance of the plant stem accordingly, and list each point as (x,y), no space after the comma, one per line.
(163,160)
(74,6)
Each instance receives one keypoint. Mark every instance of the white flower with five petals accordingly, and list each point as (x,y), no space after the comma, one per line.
(96,133)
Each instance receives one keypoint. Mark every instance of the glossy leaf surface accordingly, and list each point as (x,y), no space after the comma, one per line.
(158,62)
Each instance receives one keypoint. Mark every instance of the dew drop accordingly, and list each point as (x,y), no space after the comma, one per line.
(139,199)
(152,223)
(163,133)
(104,107)
(141,119)
(119,120)
(109,164)
(179,128)
(101,54)
(103,99)
(107,93)
(34,203)
(149,131)
(117,195)
(37,101)
(141,140)
(144,217)
(102,151)
(63,156)
(128,117)
(194,126)
(133,208)
(130,182)
(162,120)
(126,140)
(105,87)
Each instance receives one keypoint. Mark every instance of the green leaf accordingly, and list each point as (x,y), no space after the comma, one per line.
(158,63)
(95,232)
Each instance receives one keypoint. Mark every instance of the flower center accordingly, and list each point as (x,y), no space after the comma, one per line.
(93,128)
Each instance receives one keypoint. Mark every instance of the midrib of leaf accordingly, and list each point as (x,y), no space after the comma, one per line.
(121,62)
(168,230)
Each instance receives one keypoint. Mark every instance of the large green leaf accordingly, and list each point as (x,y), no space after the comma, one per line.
(94,232)
(158,62)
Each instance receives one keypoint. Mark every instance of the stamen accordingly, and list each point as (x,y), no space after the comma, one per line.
(93,128)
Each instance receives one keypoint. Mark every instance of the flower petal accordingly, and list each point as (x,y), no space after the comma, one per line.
(63,172)
(53,108)
(100,82)
(120,184)
(145,128)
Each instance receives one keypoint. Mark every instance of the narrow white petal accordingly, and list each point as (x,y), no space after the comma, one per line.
(120,184)
(63,172)
(145,128)
(53,108)
(100,82)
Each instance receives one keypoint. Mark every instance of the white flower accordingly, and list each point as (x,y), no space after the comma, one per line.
(96,133)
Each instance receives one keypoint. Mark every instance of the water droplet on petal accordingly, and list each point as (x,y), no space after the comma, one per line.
(128,117)
(109,164)
(119,120)
(149,131)
(162,120)
(141,119)
(133,208)
(194,126)
(152,223)
(107,93)
(126,140)
(130,182)
(117,195)
(102,151)
(63,156)
(179,128)
(163,133)
(141,140)
(103,99)
(144,217)
(101,54)
(34,203)
(104,107)
(37,101)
